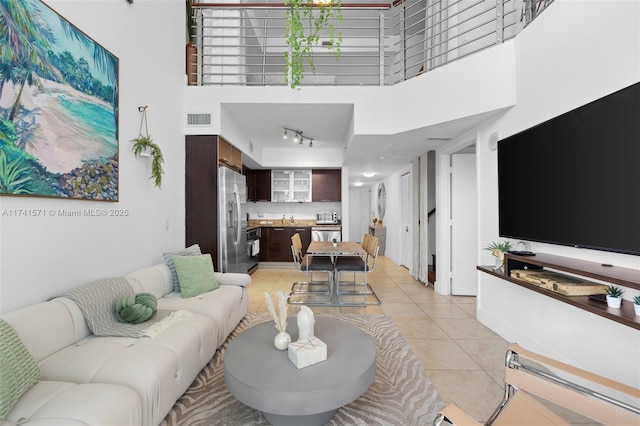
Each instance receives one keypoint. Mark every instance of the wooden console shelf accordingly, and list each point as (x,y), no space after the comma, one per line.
(616,275)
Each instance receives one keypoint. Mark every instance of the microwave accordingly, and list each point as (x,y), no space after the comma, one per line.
(327,218)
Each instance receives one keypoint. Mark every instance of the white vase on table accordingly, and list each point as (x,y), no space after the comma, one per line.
(281,341)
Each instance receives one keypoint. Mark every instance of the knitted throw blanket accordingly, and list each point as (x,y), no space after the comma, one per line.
(97,301)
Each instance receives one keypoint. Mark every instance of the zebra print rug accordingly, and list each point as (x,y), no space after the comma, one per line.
(401,393)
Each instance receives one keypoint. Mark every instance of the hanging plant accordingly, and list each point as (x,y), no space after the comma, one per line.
(143,146)
(305,22)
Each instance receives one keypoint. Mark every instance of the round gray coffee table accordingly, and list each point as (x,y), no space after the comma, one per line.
(264,378)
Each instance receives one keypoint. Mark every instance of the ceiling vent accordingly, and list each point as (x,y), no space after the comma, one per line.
(199,119)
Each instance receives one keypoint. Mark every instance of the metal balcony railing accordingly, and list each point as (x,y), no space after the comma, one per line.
(244,44)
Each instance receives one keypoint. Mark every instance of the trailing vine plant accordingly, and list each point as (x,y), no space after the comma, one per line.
(305,22)
(143,144)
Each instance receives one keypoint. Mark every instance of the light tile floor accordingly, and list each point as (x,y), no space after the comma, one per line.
(462,357)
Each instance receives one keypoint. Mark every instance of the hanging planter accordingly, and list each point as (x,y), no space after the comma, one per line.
(143,146)
(305,22)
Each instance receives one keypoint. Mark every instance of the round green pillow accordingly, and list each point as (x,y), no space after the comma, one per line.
(136,308)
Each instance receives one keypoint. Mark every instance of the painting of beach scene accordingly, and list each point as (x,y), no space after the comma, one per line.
(58,107)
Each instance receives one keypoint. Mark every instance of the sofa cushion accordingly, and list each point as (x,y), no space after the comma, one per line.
(64,403)
(18,370)
(47,327)
(159,370)
(156,279)
(195,274)
(193,250)
(226,306)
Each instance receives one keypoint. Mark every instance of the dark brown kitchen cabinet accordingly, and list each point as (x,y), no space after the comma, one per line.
(279,244)
(326,185)
(201,193)
(229,155)
(258,185)
(275,243)
(263,256)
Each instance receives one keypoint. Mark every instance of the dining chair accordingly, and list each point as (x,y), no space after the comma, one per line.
(310,264)
(535,383)
(356,265)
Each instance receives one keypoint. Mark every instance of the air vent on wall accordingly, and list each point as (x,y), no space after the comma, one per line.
(199,119)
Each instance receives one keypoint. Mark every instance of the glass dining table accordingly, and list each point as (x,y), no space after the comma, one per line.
(332,297)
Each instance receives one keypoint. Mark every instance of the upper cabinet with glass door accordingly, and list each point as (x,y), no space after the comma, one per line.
(290,185)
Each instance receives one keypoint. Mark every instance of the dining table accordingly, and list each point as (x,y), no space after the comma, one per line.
(334,251)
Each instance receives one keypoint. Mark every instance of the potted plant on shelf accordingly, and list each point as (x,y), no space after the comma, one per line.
(614,296)
(498,249)
(335,242)
(636,305)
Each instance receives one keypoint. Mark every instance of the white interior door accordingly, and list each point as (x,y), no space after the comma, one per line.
(464,228)
(406,235)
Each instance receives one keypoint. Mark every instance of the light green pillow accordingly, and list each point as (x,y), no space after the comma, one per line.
(18,370)
(195,274)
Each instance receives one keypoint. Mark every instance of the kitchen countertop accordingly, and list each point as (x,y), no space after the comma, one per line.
(277,223)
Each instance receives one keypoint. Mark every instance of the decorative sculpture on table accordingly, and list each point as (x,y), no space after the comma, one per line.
(306,322)
(308,350)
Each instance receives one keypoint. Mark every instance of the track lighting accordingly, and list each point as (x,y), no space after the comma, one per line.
(299,138)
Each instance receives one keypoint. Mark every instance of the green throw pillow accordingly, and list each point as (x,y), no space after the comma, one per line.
(18,370)
(195,274)
(136,308)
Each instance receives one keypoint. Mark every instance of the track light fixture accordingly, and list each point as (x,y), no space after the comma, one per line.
(299,137)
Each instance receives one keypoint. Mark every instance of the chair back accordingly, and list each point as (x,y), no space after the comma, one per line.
(372,251)
(296,248)
(365,240)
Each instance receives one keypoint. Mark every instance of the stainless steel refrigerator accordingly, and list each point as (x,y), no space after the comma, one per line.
(232,238)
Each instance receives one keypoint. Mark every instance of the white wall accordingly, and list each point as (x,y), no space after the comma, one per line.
(556,71)
(41,257)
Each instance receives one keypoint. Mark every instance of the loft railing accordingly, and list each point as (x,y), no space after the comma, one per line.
(244,44)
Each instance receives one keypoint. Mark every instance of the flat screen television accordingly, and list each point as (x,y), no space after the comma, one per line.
(574,180)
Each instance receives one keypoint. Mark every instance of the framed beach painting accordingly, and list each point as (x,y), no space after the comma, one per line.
(58,107)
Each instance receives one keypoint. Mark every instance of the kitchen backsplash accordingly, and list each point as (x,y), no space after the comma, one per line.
(300,211)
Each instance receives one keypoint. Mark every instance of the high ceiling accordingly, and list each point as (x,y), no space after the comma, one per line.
(330,127)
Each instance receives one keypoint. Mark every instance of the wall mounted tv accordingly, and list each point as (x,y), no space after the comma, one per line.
(574,180)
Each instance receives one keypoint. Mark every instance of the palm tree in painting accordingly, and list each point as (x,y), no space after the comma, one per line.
(105,62)
(24,44)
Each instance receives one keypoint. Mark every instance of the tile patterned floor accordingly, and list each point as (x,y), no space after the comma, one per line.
(462,357)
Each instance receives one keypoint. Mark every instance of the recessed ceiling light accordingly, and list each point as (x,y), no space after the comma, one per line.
(368,174)
(358,183)
(382,158)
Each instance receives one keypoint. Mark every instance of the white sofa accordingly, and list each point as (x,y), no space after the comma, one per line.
(85,379)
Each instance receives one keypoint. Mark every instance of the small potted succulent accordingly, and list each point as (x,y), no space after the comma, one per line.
(636,305)
(614,296)
(335,242)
